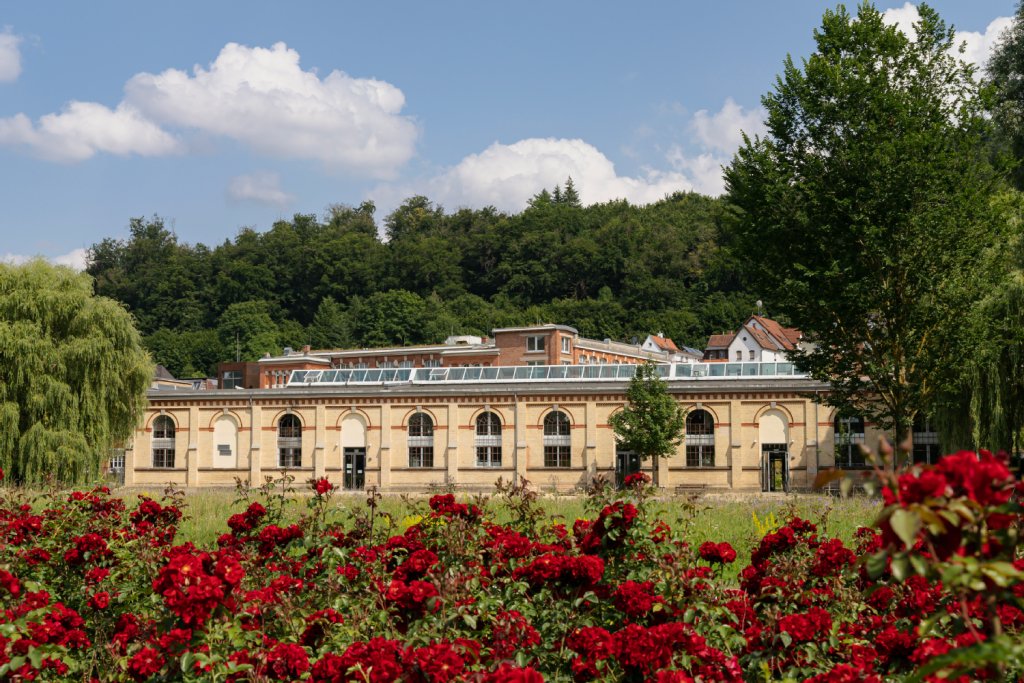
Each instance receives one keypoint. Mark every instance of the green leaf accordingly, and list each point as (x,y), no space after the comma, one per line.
(905,524)
(900,567)
(470,620)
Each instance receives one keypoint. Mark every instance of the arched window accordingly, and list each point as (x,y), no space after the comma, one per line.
(926,441)
(289,441)
(163,442)
(557,441)
(421,441)
(700,439)
(849,437)
(488,440)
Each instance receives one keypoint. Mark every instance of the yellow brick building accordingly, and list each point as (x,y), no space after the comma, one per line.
(750,426)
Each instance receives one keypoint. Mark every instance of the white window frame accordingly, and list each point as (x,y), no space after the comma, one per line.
(536,343)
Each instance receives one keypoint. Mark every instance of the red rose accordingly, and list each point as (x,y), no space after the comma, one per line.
(322,486)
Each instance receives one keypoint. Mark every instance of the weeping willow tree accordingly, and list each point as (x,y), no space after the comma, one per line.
(985,409)
(73,374)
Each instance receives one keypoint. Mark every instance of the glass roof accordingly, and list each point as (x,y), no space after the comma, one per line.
(535,373)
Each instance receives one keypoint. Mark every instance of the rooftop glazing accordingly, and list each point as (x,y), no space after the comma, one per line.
(536,373)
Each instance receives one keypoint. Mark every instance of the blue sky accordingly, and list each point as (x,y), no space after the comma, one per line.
(217,116)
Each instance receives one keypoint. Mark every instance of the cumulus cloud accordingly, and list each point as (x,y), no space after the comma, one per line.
(74,259)
(264,99)
(723,131)
(262,187)
(507,176)
(10,56)
(977,46)
(86,128)
(260,97)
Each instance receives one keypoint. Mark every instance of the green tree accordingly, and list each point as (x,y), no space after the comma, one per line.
(651,424)
(865,213)
(249,328)
(1006,72)
(73,374)
(331,327)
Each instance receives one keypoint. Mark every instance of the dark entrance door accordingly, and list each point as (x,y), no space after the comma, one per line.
(626,463)
(774,467)
(355,468)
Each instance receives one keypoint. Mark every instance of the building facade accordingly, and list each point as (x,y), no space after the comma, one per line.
(528,403)
(748,428)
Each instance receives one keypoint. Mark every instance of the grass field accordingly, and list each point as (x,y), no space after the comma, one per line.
(734,518)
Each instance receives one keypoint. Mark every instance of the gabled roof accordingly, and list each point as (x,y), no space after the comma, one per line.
(162,373)
(785,337)
(720,341)
(664,343)
(762,339)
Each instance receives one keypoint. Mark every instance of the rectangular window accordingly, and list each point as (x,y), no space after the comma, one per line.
(751,354)
(700,456)
(421,456)
(232,379)
(532,363)
(488,456)
(289,457)
(163,457)
(432,363)
(566,345)
(405,364)
(535,343)
(556,456)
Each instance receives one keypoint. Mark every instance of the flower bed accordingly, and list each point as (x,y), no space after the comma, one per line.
(91,588)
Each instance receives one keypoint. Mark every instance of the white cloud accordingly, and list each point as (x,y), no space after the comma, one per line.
(74,259)
(257,96)
(507,176)
(86,128)
(723,131)
(262,187)
(10,56)
(977,46)
(262,98)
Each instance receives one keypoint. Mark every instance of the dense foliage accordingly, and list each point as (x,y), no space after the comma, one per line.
(73,374)
(868,211)
(94,589)
(611,270)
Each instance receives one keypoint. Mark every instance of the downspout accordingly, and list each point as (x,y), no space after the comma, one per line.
(817,437)
(515,437)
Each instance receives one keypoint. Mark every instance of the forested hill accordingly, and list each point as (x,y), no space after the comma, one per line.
(611,270)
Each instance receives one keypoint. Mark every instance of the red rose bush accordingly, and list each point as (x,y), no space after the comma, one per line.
(95,588)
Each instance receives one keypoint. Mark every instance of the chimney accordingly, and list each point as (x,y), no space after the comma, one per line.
(306,348)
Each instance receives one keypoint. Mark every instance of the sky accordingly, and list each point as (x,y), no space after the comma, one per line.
(221,116)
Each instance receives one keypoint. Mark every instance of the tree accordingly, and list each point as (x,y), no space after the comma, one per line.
(865,213)
(73,374)
(331,327)
(651,425)
(1006,72)
(249,327)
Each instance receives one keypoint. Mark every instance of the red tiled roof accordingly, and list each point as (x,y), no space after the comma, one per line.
(664,343)
(787,337)
(762,339)
(720,341)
